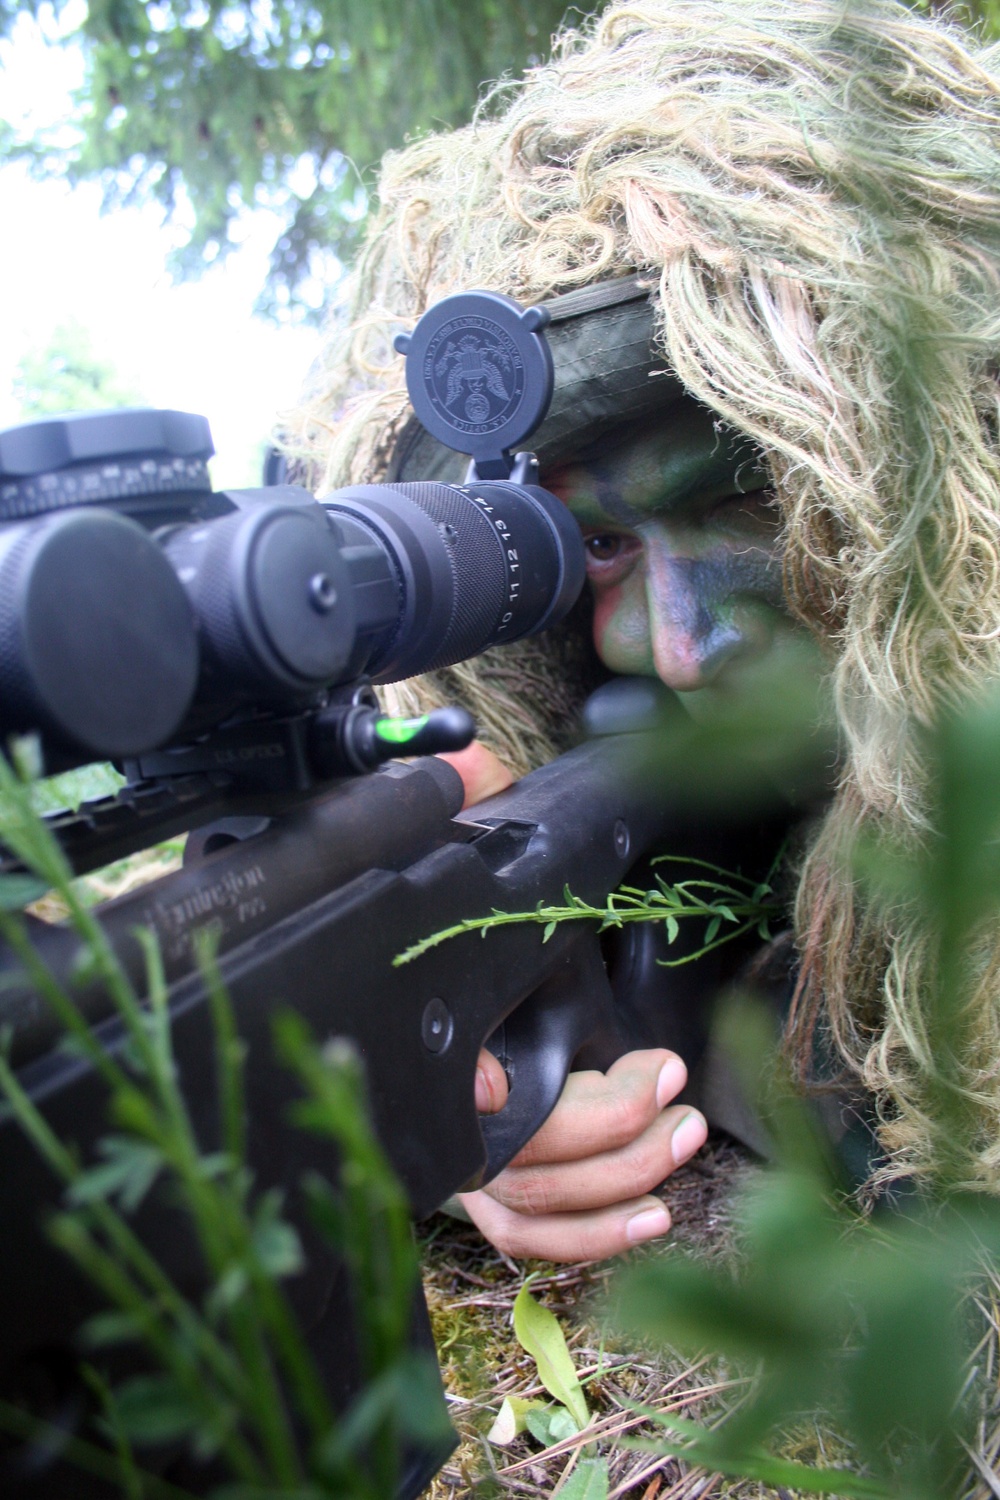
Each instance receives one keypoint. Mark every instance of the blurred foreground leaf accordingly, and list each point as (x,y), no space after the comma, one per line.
(863,1319)
(228,1374)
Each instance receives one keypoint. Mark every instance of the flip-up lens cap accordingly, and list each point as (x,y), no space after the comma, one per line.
(479,373)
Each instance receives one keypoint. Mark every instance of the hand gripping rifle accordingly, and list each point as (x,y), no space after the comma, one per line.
(221,649)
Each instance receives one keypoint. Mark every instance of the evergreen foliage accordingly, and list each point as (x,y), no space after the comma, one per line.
(215,107)
(218,106)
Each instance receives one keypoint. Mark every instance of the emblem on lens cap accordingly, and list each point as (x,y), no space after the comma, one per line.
(479,373)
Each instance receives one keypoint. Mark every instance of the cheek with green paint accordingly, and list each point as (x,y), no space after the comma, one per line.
(683,545)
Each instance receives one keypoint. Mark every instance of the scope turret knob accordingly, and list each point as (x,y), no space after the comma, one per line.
(95,458)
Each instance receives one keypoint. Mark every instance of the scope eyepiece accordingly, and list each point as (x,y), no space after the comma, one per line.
(479,564)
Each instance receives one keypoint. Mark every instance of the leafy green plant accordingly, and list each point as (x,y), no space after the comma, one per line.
(231,1376)
(539,1333)
(724,898)
(864,1319)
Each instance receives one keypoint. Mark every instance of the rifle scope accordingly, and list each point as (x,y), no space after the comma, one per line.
(140,609)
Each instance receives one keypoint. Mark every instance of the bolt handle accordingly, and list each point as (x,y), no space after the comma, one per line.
(443,729)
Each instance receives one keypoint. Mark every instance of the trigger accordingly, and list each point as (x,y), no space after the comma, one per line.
(496,1043)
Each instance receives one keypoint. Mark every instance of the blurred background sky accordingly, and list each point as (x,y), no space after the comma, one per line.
(196,346)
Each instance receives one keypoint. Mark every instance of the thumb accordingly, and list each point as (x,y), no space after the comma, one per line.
(483,773)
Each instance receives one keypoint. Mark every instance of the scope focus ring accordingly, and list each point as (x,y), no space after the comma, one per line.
(480,564)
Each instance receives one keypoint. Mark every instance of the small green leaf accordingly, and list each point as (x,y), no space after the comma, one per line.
(549,929)
(551,1424)
(712,930)
(107,1328)
(588,1481)
(512,1420)
(539,1333)
(227,1291)
(154,1409)
(277,1246)
(279,1250)
(129,1171)
(214,1164)
(673,928)
(134,1112)
(18,891)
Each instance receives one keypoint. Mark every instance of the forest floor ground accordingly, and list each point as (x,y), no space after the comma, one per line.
(471,1289)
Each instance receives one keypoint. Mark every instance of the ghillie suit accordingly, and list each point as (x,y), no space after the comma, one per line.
(813,193)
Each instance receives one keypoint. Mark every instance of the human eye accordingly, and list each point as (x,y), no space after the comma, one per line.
(610,554)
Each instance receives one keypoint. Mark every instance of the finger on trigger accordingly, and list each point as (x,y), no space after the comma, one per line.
(491,1084)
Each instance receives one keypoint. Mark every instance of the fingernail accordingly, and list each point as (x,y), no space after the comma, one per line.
(647,1224)
(484,1094)
(673,1077)
(689,1137)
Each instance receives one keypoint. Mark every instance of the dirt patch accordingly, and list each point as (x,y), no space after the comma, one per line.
(470,1292)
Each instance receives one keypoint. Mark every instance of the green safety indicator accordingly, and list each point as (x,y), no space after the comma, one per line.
(399,731)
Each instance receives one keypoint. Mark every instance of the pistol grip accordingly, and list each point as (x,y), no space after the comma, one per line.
(538,1042)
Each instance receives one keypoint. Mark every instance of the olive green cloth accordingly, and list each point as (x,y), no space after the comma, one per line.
(606,374)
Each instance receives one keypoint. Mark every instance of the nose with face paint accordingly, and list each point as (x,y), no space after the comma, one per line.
(705,612)
(683,550)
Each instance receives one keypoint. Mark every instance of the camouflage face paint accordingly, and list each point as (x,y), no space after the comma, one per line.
(684,554)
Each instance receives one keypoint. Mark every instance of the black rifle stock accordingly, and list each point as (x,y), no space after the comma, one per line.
(309,914)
